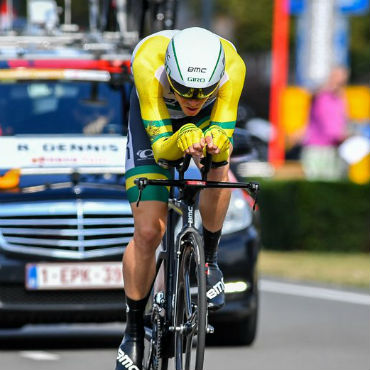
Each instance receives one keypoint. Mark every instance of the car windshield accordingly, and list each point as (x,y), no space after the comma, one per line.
(60,107)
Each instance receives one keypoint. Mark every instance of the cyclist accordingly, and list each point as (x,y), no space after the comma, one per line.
(187,87)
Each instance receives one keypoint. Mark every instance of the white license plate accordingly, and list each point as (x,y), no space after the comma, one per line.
(89,275)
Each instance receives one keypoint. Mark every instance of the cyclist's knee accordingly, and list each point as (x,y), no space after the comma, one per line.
(147,237)
(150,224)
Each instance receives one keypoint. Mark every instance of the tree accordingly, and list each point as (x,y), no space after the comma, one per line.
(360,48)
(253,23)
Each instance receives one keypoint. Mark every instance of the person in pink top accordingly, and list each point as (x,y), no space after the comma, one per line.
(326,129)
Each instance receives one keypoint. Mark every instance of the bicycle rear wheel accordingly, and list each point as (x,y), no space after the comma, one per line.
(191,307)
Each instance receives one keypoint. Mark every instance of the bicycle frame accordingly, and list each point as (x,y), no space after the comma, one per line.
(172,248)
(169,259)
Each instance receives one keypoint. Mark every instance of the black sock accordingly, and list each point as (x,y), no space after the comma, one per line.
(211,241)
(135,317)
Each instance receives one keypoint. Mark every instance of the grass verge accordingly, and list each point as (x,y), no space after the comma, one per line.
(345,269)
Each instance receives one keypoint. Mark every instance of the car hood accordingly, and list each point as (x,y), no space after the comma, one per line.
(46,187)
(58,187)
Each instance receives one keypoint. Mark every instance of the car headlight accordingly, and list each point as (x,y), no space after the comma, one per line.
(238,216)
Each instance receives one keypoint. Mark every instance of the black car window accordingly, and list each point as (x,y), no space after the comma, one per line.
(60,107)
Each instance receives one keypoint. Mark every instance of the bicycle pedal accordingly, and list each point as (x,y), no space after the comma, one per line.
(210,329)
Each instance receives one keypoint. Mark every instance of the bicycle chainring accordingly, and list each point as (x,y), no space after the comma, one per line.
(157,339)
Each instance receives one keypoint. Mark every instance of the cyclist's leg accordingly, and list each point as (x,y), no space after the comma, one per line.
(149,226)
(151,215)
(139,257)
(138,274)
(213,205)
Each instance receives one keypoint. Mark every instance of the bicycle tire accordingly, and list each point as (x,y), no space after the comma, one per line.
(191,309)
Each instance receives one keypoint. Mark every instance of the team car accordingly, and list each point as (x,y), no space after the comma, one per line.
(64,215)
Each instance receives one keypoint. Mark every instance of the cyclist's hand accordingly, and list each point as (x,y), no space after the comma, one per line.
(190,139)
(216,139)
(217,143)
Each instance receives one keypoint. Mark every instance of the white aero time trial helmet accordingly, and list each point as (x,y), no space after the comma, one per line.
(195,62)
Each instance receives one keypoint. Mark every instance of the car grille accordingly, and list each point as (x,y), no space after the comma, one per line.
(66,229)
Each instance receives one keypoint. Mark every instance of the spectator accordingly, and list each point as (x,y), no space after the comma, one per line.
(326,129)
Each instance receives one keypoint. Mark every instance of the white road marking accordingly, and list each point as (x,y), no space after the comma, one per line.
(314,292)
(39,355)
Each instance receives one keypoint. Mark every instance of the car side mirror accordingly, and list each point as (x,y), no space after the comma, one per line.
(242,142)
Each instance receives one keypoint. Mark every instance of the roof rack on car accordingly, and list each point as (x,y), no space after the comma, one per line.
(42,33)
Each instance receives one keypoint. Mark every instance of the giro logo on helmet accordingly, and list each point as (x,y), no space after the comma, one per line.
(197,69)
(196,79)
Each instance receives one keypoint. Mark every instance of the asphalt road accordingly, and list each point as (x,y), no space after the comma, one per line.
(300,328)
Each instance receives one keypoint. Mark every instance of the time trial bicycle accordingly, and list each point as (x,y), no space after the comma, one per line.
(176,321)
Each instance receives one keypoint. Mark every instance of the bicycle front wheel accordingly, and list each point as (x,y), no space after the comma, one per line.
(191,307)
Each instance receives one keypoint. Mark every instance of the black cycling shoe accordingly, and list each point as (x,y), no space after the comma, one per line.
(215,286)
(130,353)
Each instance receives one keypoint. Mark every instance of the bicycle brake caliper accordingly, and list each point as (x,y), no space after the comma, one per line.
(141,183)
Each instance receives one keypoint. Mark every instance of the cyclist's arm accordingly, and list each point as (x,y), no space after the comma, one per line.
(225,110)
(154,112)
(159,130)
